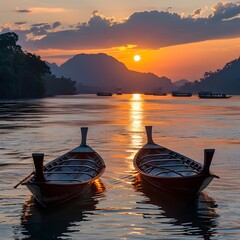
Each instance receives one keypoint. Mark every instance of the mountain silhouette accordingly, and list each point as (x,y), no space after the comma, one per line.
(225,80)
(101,72)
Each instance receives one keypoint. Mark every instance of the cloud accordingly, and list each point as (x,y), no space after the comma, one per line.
(47,10)
(22,10)
(224,11)
(149,29)
(38,24)
(40,10)
(56,24)
(168,9)
(40,30)
(20,23)
(197,12)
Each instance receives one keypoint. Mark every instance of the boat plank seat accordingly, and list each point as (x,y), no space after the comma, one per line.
(62,165)
(168,166)
(154,155)
(178,173)
(160,160)
(64,180)
(71,173)
(81,159)
(168,170)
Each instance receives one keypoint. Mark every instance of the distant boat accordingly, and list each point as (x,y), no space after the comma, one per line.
(209,94)
(104,94)
(119,91)
(156,92)
(181,94)
(160,94)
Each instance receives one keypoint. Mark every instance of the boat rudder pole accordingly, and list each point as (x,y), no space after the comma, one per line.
(208,156)
(23,180)
(149,134)
(84,131)
(38,163)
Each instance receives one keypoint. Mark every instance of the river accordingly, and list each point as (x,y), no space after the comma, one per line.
(119,206)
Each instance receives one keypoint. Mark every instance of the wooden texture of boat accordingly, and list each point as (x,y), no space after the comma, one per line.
(66,176)
(171,171)
(104,94)
(207,94)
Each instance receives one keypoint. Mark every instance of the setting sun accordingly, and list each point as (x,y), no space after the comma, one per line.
(137,58)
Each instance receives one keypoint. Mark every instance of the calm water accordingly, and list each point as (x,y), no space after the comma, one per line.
(119,206)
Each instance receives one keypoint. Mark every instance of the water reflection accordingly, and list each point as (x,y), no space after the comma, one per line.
(19,114)
(192,216)
(136,125)
(57,222)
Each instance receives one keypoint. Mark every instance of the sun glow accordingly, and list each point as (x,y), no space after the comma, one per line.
(135,127)
(137,58)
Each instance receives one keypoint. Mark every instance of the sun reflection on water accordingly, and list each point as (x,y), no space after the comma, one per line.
(136,123)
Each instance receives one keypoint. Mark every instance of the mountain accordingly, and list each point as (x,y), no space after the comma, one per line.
(225,80)
(101,72)
(181,82)
(54,67)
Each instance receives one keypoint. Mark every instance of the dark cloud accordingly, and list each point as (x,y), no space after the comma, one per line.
(197,12)
(38,24)
(39,29)
(224,11)
(149,29)
(23,11)
(20,23)
(56,24)
(168,9)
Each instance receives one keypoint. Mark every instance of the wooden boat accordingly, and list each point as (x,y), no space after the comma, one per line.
(156,92)
(66,176)
(181,94)
(207,94)
(119,91)
(171,171)
(104,94)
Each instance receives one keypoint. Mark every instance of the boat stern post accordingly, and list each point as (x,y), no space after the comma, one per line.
(38,163)
(208,156)
(84,131)
(149,134)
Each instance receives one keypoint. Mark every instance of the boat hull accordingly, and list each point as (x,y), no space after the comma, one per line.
(182,185)
(181,94)
(208,95)
(104,94)
(214,97)
(48,194)
(171,171)
(65,177)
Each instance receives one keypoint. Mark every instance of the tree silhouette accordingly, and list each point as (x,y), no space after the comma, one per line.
(20,72)
(225,80)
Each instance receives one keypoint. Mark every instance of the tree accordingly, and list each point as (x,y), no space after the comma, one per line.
(21,72)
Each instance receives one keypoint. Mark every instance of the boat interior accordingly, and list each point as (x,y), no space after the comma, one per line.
(167,163)
(73,167)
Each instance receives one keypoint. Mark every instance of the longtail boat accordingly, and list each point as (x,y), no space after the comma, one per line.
(181,94)
(104,94)
(171,171)
(66,176)
(209,94)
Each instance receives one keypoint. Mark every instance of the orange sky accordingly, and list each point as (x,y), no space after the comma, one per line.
(186,61)
(176,39)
